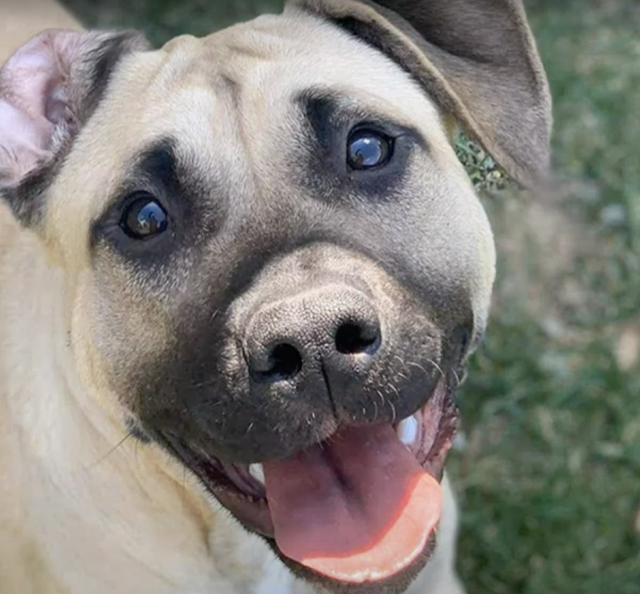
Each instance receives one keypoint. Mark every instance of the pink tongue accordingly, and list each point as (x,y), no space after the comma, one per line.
(356,509)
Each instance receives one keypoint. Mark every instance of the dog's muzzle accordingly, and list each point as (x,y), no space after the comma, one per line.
(344,475)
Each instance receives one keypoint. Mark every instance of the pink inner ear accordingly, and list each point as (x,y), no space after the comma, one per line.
(34,101)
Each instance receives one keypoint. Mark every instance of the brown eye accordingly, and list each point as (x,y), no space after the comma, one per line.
(144,218)
(368,149)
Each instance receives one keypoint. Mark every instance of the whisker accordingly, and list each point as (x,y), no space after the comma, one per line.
(111,451)
(382,398)
(438,368)
(420,367)
(394,413)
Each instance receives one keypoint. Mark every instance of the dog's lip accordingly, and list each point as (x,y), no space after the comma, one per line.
(242,494)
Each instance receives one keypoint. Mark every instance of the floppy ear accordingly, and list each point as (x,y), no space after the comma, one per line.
(476,58)
(48,90)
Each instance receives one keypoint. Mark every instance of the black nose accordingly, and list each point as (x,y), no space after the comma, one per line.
(324,332)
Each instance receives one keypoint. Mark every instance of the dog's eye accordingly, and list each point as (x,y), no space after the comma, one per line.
(144,217)
(368,149)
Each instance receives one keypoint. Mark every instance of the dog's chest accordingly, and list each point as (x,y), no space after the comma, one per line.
(249,564)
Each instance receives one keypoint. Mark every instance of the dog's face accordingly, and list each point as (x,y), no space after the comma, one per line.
(275,266)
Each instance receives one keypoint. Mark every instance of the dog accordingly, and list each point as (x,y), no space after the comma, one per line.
(240,278)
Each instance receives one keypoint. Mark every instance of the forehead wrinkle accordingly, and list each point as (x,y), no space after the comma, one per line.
(281,70)
(258,65)
(353,104)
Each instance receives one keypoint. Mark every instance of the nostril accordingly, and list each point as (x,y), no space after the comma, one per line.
(352,338)
(285,362)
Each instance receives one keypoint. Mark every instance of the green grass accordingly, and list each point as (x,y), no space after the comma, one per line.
(549,474)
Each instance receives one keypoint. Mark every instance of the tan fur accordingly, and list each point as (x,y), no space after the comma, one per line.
(77,497)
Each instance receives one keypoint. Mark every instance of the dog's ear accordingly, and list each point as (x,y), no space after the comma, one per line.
(48,90)
(476,58)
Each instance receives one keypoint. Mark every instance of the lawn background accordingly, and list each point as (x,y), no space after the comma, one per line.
(548,463)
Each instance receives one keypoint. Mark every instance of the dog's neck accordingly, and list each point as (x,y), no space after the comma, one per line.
(83,476)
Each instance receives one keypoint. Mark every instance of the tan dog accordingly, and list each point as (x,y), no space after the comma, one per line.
(239,278)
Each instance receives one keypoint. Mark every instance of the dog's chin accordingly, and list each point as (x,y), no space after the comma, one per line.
(396,584)
(245,492)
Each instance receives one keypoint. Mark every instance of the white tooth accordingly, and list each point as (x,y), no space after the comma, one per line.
(257,472)
(408,430)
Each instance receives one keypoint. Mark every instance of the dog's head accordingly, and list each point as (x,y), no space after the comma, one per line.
(275,267)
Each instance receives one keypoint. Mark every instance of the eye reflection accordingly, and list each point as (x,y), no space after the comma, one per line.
(144,218)
(368,149)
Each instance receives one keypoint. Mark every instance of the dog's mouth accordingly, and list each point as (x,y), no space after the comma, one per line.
(359,507)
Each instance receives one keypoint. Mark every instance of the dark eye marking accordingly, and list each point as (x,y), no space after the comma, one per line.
(352,143)
(144,217)
(167,201)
